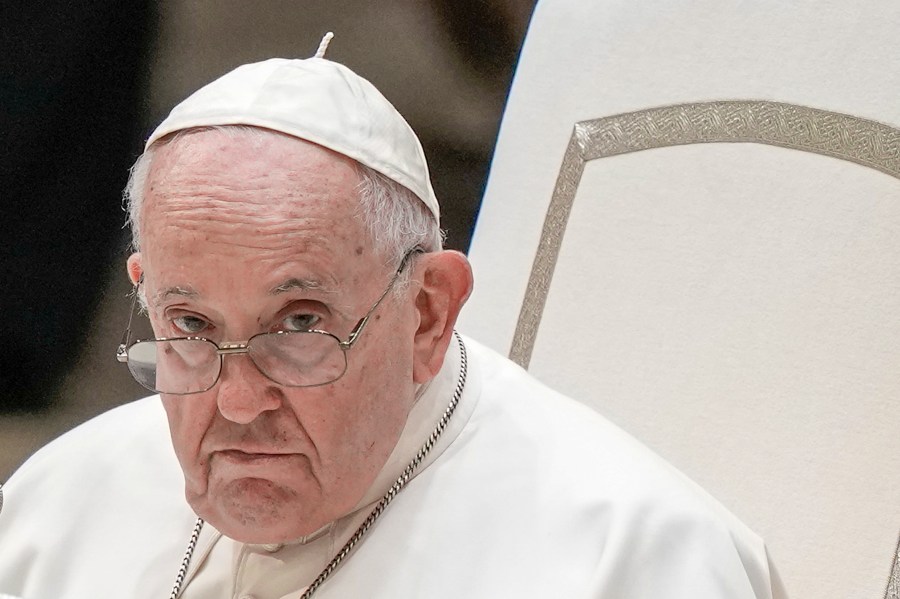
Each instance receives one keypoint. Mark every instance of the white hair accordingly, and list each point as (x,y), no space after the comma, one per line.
(395,218)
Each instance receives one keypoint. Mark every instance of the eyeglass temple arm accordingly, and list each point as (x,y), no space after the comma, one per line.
(122,350)
(351,339)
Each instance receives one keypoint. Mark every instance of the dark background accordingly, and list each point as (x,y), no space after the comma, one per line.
(83,84)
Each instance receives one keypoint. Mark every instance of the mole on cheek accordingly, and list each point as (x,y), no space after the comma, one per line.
(359,250)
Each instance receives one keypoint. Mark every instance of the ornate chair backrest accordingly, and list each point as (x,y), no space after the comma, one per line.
(692,224)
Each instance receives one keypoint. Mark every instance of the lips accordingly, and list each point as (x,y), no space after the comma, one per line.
(236,456)
(260,451)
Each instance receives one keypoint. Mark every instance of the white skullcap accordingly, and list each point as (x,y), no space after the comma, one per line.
(316,100)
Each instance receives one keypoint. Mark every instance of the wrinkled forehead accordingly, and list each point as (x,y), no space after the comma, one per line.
(227,168)
(249,189)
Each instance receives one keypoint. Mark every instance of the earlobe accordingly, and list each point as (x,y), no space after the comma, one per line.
(446,285)
(135,270)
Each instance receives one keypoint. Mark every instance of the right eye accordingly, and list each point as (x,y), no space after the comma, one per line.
(189,324)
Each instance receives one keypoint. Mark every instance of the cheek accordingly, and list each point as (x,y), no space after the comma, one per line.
(189,419)
(379,407)
(363,409)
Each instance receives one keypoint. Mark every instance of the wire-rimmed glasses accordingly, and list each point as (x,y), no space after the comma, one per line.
(185,365)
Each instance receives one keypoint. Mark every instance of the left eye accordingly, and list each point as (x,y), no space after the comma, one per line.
(300,322)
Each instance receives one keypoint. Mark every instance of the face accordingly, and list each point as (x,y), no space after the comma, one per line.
(248,234)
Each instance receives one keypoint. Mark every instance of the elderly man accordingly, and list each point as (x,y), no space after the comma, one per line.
(332,434)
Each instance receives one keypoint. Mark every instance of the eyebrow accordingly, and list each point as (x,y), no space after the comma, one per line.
(164,294)
(288,285)
(295,283)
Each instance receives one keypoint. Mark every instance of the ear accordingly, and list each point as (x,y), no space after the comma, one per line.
(446,282)
(134,268)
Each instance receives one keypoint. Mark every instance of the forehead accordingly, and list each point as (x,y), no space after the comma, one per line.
(249,200)
(244,168)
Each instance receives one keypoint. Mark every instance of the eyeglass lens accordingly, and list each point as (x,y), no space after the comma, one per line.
(182,366)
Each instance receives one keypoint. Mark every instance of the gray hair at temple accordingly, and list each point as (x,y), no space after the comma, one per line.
(395,217)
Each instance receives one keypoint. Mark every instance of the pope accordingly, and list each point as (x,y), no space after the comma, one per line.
(318,427)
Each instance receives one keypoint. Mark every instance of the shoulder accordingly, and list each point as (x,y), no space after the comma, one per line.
(556,426)
(561,441)
(132,431)
(570,469)
(106,450)
(134,424)
(79,504)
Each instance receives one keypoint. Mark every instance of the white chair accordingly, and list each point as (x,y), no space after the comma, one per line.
(692,224)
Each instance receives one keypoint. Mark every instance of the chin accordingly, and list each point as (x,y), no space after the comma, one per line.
(255,510)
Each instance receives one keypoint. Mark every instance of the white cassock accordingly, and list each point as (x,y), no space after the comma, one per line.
(526,494)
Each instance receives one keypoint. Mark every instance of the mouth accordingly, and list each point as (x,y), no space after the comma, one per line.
(244,458)
(265,466)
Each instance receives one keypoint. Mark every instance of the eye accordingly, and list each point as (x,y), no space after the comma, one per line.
(191,325)
(300,322)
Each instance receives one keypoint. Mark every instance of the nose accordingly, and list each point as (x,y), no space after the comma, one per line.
(243,392)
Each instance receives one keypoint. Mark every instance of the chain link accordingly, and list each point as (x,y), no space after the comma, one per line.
(186,560)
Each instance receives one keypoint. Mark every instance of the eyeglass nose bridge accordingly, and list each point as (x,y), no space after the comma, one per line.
(227,349)
(234,348)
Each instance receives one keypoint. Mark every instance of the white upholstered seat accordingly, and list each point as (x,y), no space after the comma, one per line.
(692,223)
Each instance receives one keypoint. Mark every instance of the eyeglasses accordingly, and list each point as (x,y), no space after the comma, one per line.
(185,365)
